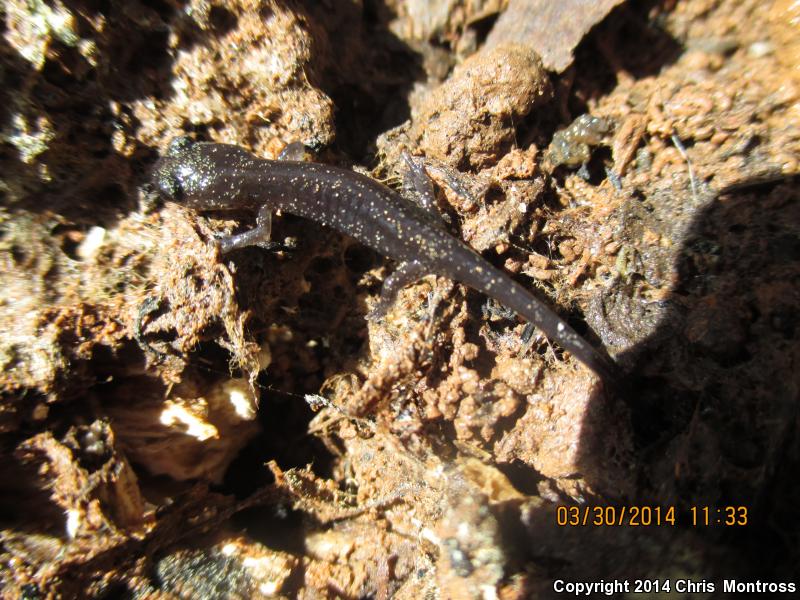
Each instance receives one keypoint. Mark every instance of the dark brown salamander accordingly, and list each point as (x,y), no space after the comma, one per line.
(208,176)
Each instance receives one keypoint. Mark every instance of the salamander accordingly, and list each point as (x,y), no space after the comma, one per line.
(211,176)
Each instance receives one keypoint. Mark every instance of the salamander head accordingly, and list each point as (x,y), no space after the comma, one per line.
(203,175)
(179,174)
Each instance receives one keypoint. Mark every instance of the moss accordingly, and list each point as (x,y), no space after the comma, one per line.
(30,141)
(33,24)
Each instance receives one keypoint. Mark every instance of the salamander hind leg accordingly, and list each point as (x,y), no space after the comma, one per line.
(419,187)
(260,235)
(405,274)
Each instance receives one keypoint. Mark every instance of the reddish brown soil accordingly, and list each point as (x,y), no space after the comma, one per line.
(178,424)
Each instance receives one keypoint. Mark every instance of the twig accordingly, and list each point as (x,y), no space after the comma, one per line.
(682,151)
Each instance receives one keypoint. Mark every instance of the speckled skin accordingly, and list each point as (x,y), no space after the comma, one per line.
(209,176)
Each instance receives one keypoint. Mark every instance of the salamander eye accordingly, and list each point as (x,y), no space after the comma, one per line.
(168,185)
(179,144)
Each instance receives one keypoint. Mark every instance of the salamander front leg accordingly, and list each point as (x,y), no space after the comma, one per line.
(419,187)
(406,273)
(258,236)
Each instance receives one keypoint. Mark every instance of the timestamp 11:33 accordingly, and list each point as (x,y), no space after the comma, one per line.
(647,516)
